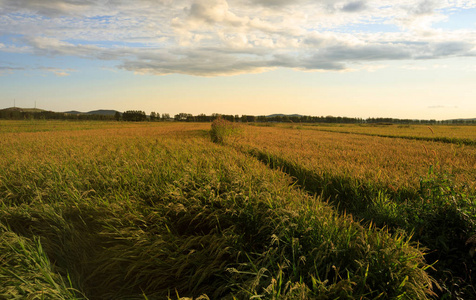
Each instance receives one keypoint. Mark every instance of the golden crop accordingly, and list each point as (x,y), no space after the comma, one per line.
(393,162)
(425,131)
(119,210)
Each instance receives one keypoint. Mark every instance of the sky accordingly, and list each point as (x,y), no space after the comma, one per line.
(367,58)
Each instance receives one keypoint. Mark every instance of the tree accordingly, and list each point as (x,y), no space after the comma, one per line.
(202,118)
(183,117)
(134,116)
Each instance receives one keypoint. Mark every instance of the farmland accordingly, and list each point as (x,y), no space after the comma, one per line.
(456,134)
(115,210)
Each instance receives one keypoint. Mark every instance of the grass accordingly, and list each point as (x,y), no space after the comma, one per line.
(158,211)
(222,130)
(426,189)
(27,271)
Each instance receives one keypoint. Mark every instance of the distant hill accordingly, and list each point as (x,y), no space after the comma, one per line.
(73,112)
(103,112)
(26,110)
(19,112)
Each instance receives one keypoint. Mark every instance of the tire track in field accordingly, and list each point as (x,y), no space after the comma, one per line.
(346,194)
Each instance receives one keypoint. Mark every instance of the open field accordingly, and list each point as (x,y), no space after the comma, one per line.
(108,210)
(9,126)
(388,162)
(426,188)
(457,134)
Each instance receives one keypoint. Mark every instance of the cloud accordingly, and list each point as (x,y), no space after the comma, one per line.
(54,47)
(58,72)
(13,48)
(367,52)
(4,70)
(47,8)
(275,3)
(228,37)
(453,48)
(425,7)
(354,6)
(316,53)
(199,62)
(214,11)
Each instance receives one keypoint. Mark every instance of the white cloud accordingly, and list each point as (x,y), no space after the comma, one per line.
(227,37)
(214,11)
(52,46)
(47,8)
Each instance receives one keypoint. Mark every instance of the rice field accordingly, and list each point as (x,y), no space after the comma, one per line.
(12,126)
(111,210)
(424,187)
(457,134)
(388,162)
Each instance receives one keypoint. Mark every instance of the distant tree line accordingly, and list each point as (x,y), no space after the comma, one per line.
(134,115)
(184,117)
(140,116)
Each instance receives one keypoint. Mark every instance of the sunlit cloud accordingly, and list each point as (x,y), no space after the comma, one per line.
(5,69)
(220,37)
(58,72)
